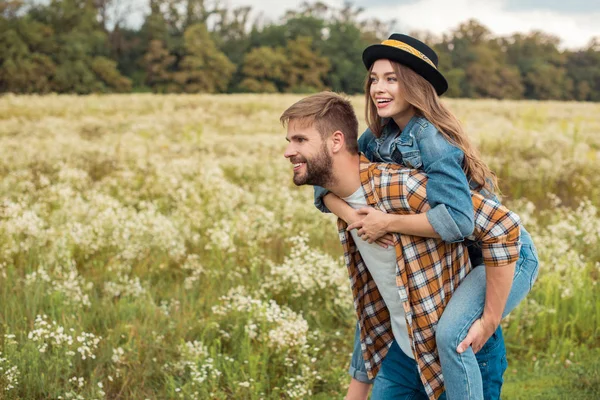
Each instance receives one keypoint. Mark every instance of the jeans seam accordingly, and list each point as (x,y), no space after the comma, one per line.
(464,368)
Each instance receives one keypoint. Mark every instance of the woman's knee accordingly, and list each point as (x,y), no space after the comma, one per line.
(447,335)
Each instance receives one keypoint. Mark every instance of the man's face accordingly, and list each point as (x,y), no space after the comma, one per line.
(309,155)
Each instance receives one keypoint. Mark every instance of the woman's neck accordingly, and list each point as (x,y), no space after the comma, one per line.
(403,118)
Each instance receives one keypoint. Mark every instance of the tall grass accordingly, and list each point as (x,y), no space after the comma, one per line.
(155,247)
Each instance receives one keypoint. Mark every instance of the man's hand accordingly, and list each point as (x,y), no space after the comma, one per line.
(478,335)
(373,226)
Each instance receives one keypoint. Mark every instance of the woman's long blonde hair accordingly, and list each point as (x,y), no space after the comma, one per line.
(422,96)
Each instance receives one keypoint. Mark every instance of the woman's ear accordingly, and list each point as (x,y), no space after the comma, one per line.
(338,141)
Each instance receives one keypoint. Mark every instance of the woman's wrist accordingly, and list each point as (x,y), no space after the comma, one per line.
(393,223)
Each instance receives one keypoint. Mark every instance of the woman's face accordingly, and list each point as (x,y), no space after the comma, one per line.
(385,92)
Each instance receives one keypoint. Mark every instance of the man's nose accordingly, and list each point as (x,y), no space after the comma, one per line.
(289,151)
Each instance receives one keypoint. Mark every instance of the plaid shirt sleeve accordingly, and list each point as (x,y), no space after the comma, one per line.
(499,230)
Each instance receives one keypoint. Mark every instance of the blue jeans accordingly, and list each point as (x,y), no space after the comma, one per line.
(462,376)
(465,373)
(394,382)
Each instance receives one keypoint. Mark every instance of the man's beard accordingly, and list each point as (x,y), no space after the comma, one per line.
(319,170)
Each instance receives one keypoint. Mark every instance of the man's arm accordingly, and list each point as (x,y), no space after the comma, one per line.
(498,229)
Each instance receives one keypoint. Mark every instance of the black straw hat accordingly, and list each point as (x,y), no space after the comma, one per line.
(410,52)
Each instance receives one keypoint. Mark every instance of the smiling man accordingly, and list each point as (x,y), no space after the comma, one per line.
(400,292)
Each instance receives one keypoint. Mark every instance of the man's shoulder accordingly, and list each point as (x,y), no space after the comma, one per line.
(396,169)
(384,174)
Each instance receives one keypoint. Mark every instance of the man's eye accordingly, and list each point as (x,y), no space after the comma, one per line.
(300,140)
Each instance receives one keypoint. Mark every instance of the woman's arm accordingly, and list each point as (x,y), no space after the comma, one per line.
(448,191)
(451,215)
(342,210)
(375,224)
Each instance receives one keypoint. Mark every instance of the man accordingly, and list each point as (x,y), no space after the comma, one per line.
(399,293)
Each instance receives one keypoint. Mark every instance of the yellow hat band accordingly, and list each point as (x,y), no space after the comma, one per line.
(403,46)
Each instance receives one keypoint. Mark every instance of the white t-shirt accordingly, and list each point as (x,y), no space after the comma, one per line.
(381,263)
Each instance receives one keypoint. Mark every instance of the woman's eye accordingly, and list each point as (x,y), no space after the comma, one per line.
(391,79)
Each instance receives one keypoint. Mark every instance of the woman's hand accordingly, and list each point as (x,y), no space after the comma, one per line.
(373,226)
(478,335)
(357,217)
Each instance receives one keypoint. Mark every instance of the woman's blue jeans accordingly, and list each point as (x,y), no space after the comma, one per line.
(464,374)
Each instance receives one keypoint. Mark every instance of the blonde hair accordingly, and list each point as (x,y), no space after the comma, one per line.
(422,96)
(329,112)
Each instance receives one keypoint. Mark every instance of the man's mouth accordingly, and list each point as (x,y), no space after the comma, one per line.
(297,166)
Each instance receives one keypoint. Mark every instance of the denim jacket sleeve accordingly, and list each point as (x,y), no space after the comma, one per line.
(448,192)
(320,192)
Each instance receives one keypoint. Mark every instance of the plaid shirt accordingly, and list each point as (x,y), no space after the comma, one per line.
(428,270)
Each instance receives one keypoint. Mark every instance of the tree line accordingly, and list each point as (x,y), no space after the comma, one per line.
(191,46)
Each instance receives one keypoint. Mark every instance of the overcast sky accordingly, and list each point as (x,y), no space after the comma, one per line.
(575,22)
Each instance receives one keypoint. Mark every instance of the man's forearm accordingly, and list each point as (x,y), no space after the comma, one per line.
(357,390)
(339,207)
(411,224)
(498,284)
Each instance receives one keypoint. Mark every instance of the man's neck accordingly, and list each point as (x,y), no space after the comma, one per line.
(346,171)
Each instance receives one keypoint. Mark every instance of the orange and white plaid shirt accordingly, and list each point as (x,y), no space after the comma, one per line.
(428,270)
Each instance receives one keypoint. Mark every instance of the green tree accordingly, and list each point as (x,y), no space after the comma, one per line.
(306,69)
(204,68)
(158,64)
(23,68)
(77,47)
(583,68)
(106,70)
(263,70)
(540,64)
(344,48)
(489,76)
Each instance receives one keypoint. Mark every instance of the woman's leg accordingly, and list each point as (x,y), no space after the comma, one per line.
(462,376)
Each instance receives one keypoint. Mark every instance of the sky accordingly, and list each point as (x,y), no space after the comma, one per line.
(575,22)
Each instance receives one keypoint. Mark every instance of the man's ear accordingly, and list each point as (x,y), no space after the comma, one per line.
(338,141)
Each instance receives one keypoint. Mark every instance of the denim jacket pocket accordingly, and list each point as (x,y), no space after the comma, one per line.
(412,159)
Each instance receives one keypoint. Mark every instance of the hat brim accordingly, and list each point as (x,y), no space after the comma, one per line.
(420,66)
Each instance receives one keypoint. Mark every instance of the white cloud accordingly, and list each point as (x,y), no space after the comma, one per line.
(438,16)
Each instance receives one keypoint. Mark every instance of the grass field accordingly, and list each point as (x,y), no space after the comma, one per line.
(155,247)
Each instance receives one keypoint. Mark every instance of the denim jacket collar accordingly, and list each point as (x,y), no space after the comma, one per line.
(391,128)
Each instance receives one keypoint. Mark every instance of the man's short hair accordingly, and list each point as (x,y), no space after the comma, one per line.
(329,112)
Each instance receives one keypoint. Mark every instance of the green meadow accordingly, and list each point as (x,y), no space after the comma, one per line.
(155,247)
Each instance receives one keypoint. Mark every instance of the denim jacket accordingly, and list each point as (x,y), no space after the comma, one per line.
(421,146)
